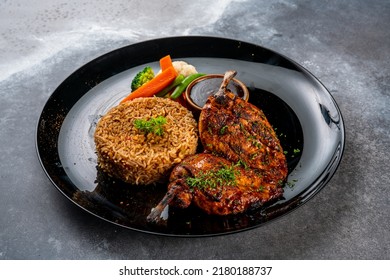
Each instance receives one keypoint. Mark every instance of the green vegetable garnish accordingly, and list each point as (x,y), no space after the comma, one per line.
(174,84)
(183,85)
(211,179)
(142,77)
(153,125)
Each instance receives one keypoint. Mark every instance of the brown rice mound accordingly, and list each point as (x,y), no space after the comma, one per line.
(143,158)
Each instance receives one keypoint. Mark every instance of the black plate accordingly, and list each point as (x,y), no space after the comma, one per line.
(302,111)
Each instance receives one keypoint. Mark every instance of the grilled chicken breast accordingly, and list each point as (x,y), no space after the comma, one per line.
(239,131)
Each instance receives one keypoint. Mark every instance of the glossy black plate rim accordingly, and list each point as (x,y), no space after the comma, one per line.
(158,48)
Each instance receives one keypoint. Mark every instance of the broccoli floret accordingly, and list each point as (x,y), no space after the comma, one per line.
(142,77)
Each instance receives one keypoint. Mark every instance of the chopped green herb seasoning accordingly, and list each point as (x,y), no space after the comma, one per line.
(254,155)
(223,129)
(291,184)
(226,175)
(242,163)
(153,125)
(260,189)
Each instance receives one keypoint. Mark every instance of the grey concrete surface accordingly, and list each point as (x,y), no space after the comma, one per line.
(346,44)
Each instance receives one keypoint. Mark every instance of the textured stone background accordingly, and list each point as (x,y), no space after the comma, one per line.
(346,44)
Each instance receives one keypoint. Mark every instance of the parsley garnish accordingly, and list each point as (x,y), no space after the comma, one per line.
(226,175)
(223,129)
(297,151)
(153,125)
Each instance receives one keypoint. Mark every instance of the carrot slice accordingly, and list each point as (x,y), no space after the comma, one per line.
(155,85)
(165,62)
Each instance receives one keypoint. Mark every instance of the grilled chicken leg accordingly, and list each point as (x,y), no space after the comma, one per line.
(215,185)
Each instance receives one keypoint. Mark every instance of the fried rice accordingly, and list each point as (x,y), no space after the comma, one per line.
(140,158)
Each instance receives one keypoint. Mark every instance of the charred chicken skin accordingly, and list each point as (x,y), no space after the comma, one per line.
(216,185)
(239,131)
(243,165)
